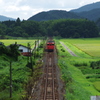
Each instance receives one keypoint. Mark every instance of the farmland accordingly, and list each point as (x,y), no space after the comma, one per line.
(82,81)
(89,46)
(22,42)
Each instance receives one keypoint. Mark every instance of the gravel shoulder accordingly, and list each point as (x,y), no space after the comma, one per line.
(71,52)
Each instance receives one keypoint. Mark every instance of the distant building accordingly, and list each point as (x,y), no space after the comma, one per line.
(25,51)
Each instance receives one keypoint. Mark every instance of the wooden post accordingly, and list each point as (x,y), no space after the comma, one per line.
(10,79)
(35,50)
(38,47)
(35,44)
(28,52)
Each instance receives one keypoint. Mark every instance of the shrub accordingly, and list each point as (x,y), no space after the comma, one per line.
(95,64)
(80,64)
(62,50)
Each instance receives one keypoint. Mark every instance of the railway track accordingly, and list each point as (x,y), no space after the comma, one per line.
(49,87)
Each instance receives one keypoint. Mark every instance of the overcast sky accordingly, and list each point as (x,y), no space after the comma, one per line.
(27,8)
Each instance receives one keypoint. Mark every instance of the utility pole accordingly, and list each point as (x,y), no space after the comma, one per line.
(10,79)
(28,45)
(35,49)
(38,46)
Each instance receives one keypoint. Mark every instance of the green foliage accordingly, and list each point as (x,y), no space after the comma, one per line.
(11,52)
(67,28)
(3,50)
(74,81)
(62,50)
(75,28)
(80,64)
(95,64)
(20,76)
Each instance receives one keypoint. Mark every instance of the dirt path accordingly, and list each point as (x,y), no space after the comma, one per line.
(71,52)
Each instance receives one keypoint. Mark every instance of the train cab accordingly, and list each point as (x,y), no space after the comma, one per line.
(50,46)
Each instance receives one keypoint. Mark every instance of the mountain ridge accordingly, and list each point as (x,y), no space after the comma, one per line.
(93,14)
(89,11)
(53,14)
(4,18)
(87,7)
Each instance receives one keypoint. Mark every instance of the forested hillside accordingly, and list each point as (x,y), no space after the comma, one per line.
(87,7)
(67,28)
(93,15)
(53,14)
(90,15)
(89,11)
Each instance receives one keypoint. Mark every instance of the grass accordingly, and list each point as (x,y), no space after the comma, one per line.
(77,87)
(97,85)
(75,69)
(89,46)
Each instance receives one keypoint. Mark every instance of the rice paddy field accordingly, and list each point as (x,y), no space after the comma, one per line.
(22,42)
(90,46)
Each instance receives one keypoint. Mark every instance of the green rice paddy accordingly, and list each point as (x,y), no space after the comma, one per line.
(22,42)
(89,46)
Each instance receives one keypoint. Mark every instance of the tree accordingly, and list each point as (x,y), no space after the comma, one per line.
(14,53)
(76,35)
(18,22)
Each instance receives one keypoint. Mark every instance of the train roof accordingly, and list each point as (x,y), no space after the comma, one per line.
(50,41)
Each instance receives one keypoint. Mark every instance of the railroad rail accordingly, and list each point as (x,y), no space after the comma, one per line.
(49,87)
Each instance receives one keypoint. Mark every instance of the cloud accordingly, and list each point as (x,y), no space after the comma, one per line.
(81,3)
(27,8)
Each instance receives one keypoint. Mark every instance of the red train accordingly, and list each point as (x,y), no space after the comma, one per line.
(50,46)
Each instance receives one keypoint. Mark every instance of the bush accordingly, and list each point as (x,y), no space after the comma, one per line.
(62,50)
(80,64)
(95,64)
